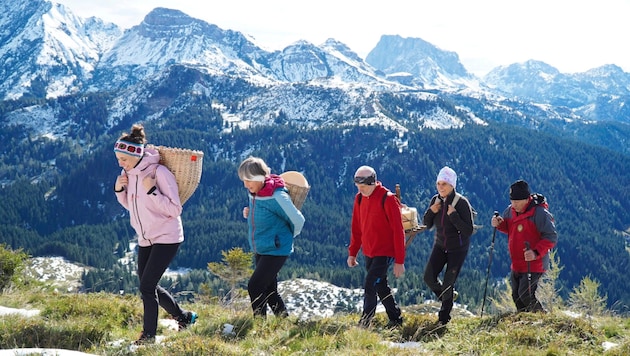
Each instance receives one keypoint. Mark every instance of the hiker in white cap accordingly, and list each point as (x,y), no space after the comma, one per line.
(451,215)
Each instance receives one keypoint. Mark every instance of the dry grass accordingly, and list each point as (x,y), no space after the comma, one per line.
(105,324)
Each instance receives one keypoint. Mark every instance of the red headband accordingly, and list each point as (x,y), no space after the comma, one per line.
(130,148)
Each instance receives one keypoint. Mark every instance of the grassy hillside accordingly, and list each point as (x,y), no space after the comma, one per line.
(105,324)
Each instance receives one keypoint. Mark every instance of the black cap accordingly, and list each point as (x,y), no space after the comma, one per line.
(519,190)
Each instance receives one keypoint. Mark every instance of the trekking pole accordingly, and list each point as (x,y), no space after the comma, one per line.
(529,273)
(494,233)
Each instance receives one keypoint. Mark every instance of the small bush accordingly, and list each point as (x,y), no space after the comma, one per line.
(11,262)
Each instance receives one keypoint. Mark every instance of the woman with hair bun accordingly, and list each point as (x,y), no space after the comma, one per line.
(149,192)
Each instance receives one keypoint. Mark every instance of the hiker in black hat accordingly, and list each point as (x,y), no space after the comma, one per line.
(531,234)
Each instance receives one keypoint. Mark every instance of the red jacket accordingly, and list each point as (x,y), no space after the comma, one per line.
(376,227)
(536,226)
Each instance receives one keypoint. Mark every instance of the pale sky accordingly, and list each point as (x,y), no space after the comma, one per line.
(571,35)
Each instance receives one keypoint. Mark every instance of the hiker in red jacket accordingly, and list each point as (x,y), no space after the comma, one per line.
(377,229)
(531,234)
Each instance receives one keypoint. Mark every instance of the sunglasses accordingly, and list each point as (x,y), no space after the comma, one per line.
(129,148)
(369,180)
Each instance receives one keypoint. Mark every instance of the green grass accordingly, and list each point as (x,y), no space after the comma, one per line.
(105,324)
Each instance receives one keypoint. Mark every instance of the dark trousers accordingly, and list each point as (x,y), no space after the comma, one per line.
(376,284)
(524,291)
(263,286)
(453,260)
(152,263)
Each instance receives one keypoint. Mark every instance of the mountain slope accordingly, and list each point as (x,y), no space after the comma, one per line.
(46,51)
(317,109)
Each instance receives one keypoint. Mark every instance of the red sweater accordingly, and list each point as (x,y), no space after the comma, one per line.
(376,227)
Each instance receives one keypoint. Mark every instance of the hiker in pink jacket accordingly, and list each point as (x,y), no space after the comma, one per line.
(148,190)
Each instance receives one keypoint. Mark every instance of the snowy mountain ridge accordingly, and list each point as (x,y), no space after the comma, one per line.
(61,54)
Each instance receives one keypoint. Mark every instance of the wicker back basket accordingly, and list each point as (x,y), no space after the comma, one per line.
(186,165)
(298,187)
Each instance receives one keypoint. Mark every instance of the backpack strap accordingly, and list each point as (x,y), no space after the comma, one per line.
(456,199)
(388,193)
(382,200)
(385,197)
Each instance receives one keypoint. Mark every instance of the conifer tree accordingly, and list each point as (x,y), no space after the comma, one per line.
(586,298)
(235,267)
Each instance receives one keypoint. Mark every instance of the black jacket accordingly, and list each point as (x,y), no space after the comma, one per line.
(451,231)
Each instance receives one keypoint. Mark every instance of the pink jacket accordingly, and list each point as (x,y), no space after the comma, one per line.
(156,217)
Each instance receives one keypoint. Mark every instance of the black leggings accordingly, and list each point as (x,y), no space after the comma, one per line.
(263,286)
(453,260)
(152,263)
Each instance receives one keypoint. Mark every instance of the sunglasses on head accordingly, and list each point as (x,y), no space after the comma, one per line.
(129,148)
(369,180)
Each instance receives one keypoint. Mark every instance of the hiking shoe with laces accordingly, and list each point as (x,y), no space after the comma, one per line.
(187,319)
(145,339)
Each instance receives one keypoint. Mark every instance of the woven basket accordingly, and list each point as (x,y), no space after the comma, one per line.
(186,165)
(409,218)
(298,187)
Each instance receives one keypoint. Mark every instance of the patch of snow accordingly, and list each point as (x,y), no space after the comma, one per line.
(23,312)
(308,299)
(404,345)
(572,314)
(56,271)
(607,345)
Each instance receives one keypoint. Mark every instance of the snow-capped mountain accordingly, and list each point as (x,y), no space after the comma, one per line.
(166,37)
(46,51)
(598,94)
(425,64)
(304,62)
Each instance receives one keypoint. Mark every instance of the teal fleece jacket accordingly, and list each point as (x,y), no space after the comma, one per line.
(273,220)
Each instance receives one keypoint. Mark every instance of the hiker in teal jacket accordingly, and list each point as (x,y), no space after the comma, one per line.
(273,221)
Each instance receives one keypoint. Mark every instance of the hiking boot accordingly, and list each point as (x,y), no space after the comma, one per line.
(186,319)
(393,324)
(145,339)
(439,327)
(364,323)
